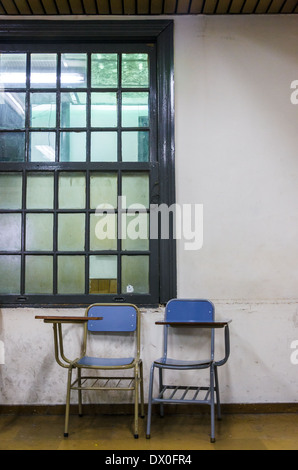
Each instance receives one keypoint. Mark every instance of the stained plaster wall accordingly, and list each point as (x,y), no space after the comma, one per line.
(236,153)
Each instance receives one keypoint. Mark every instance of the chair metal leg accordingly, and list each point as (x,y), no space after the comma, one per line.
(161,408)
(142,390)
(150,402)
(212,438)
(136,404)
(217,394)
(80,393)
(67,402)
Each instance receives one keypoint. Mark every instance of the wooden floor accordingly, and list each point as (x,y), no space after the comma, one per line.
(173,432)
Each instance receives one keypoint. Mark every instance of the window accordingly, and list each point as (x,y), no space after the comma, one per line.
(80,166)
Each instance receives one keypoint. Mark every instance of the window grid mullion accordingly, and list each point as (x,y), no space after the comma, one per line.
(58,108)
(55,233)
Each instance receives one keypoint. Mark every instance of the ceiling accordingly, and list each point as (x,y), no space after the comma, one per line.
(44,8)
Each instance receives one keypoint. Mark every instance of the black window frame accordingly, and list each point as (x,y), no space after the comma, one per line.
(159,33)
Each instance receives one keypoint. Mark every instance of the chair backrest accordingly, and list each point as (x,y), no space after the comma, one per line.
(119,317)
(189,310)
(116,318)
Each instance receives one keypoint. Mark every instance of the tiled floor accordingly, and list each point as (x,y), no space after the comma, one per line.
(173,432)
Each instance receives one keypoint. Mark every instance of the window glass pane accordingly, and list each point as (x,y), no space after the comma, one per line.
(71,274)
(12,146)
(135,70)
(12,70)
(43,109)
(135,146)
(71,232)
(103,274)
(39,232)
(10,232)
(42,147)
(43,71)
(104,70)
(10,274)
(73,70)
(40,191)
(103,232)
(73,109)
(104,146)
(73,147)
(12,110)
(135,110)
(103,190)
(103,109)
(39,275)
(135,274)
(135,187)
(72,190)
(135,232)
(10,190)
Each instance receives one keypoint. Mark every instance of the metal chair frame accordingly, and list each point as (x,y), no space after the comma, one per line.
(181,318)
(84,362)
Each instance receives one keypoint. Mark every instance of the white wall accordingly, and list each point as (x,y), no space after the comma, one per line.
(236,136)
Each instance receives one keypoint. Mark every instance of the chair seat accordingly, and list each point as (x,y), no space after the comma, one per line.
(180,363)
(104,362)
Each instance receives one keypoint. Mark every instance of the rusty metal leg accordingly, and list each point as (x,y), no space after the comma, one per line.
(67,402)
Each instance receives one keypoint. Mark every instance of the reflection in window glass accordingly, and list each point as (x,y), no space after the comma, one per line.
(73,70)
(40,191)
(104,109)
(72,190)
(71,274)
(135,70)
(12,110)
(12,70)
(103,274)
(103,232)
(135,232)
(103,190)
(39,232)
(135,110)
(104,146)
(135,146)
(72,146)
(10,190)
(71,232)
(104,70)
(10,232)
(43,71)
(10,274)
(12,146)
(135,274)
(42,147)
(39,275)
(135,187)
(73,109)
(43,109)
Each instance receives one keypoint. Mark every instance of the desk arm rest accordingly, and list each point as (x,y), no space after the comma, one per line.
(227,347)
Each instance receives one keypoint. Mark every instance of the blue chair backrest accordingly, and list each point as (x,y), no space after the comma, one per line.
(189,310)
(122,318)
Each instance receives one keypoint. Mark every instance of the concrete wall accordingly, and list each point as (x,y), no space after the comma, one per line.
(236,140)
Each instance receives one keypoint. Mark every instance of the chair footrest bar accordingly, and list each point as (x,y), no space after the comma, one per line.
(103,383)
(183,394)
